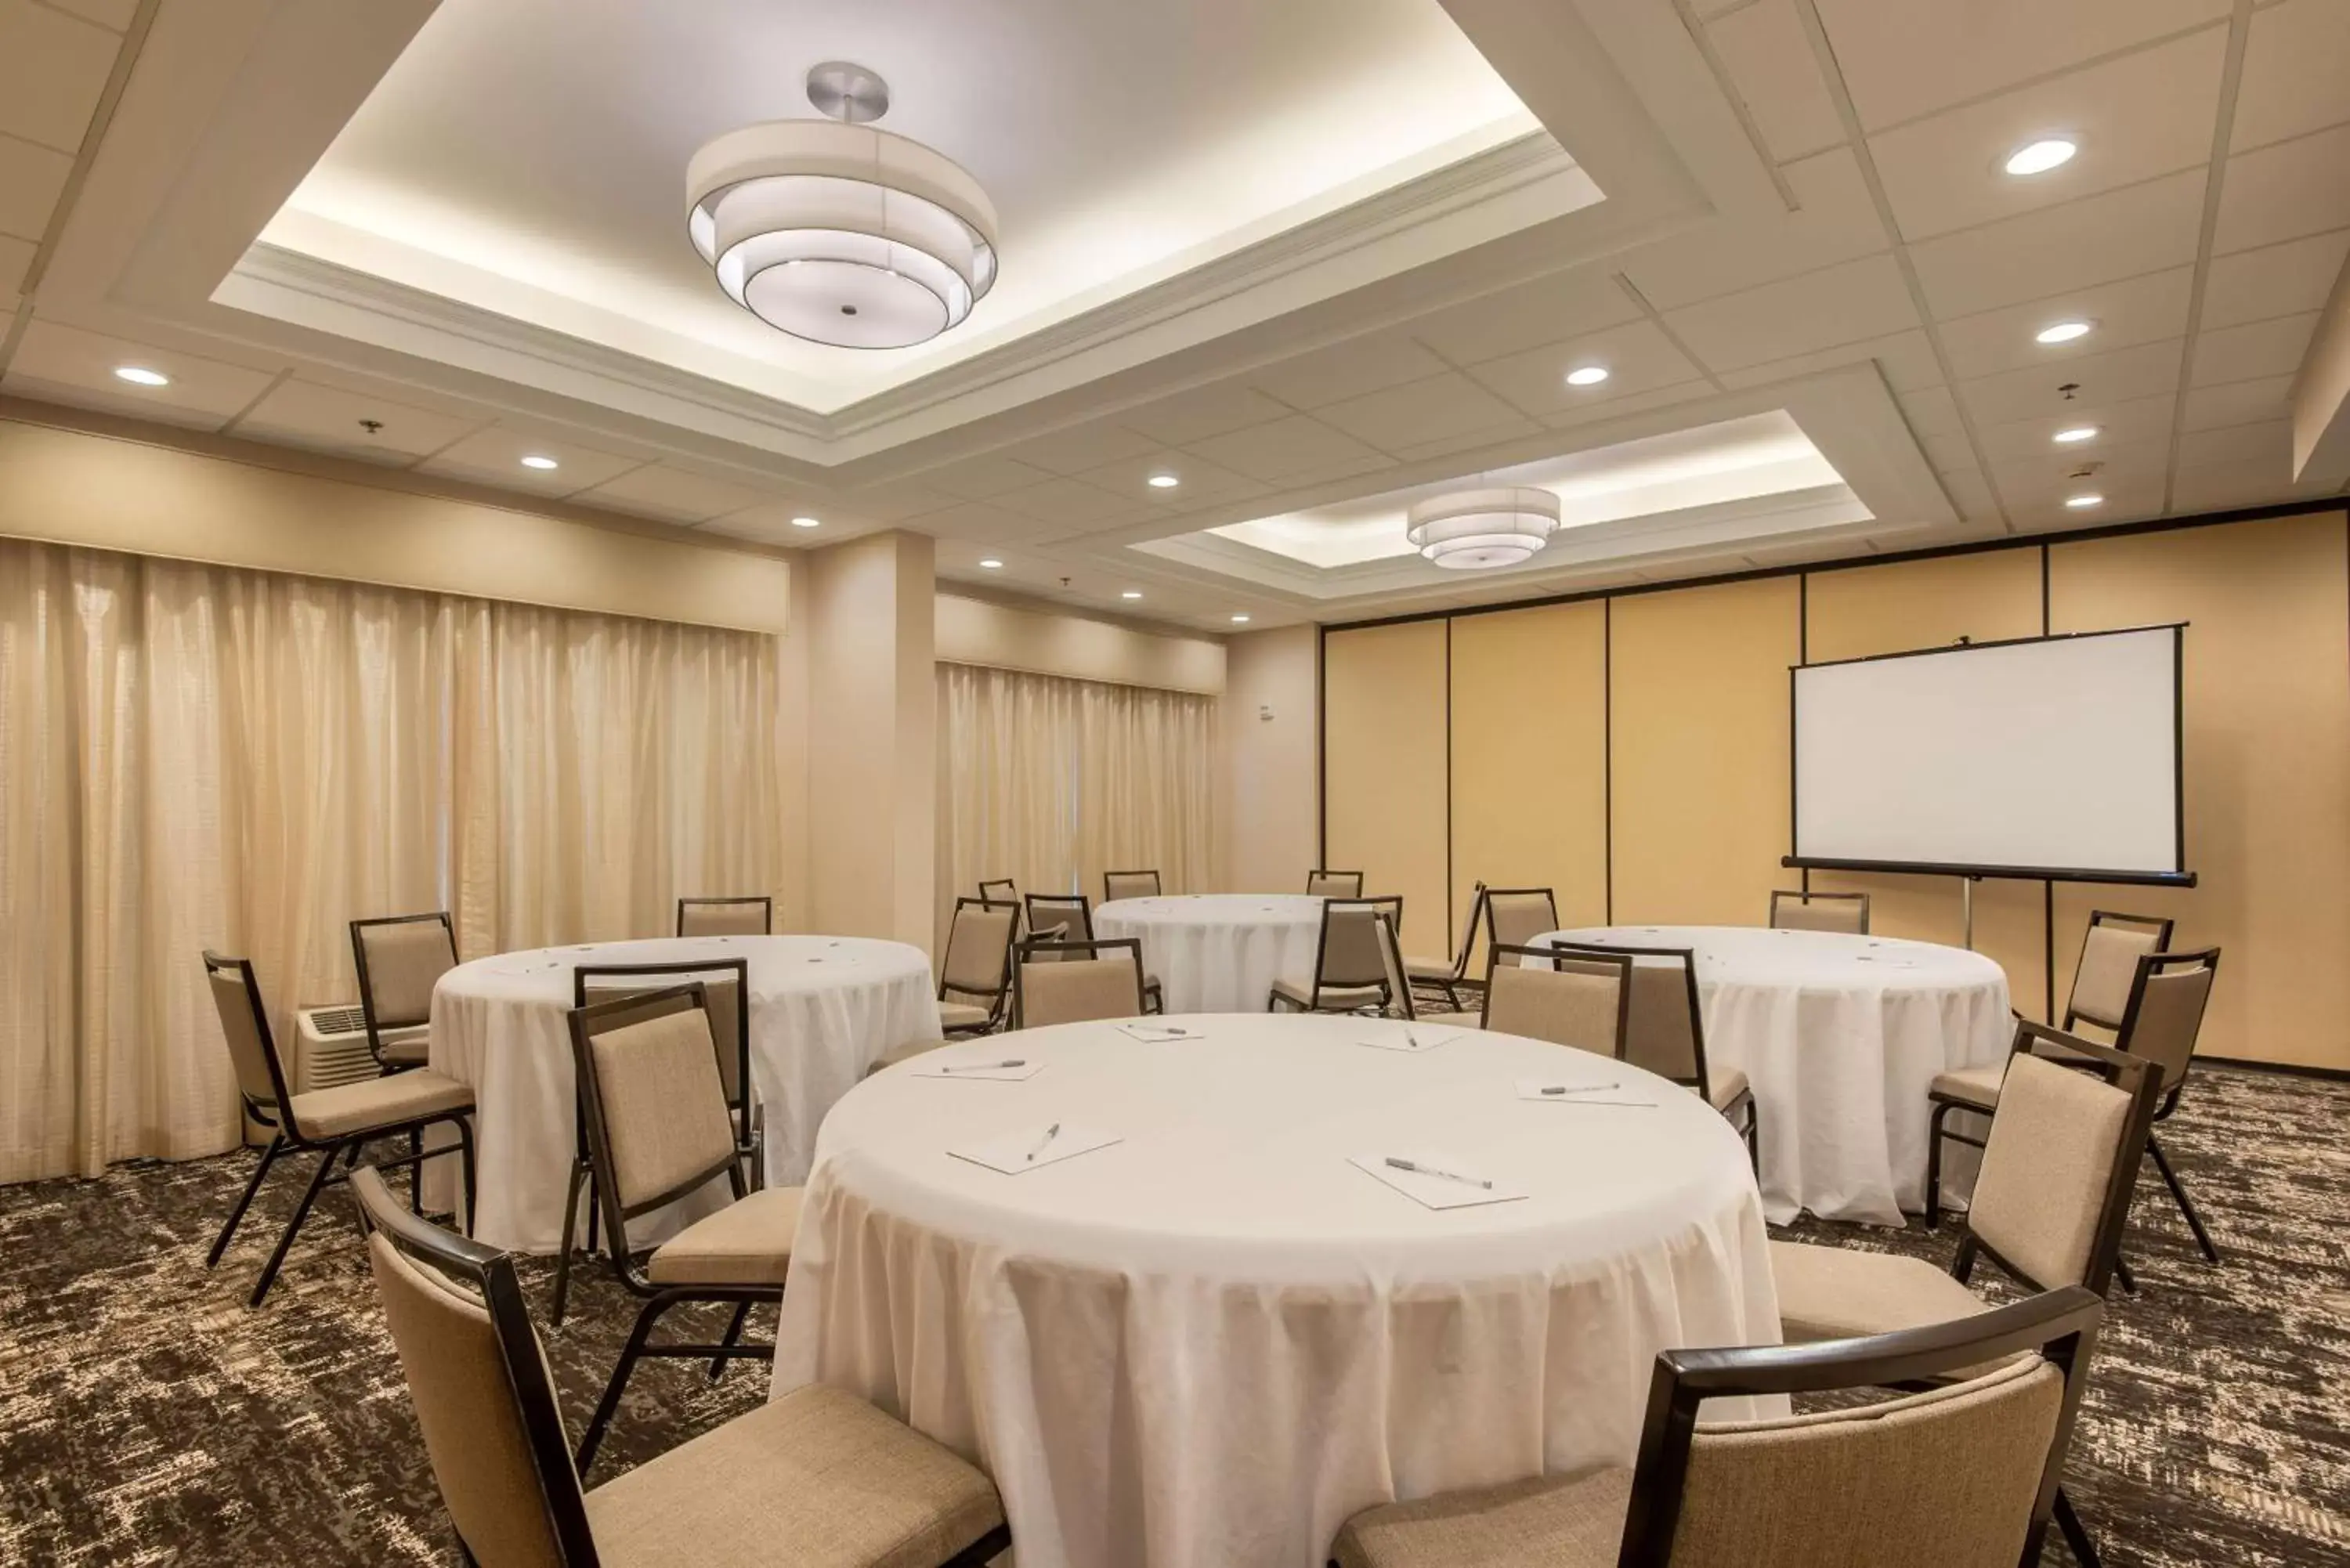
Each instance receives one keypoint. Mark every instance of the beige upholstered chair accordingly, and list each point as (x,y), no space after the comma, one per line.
(816,1477)
(1334,884)
(1448,975)
(1117,885)
(2110,949)
(1964,1475)
(1398,972)
(330,1122)
(399,959)
(1349,969)
(1843,912)
(1064,918)
(1516,915)
(657,1129)
(743,917)
(1582,998)
(1666,1034)
(1077,983)
(975,980)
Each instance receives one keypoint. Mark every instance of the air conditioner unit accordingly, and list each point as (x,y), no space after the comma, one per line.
(330,1047)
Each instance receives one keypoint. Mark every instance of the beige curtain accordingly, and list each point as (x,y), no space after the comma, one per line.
(195,756)
(1052,782)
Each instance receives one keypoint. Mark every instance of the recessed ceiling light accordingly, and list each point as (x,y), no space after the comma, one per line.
(807,523)
(2062,331)
(1131,593)
(991,564)
(1163,482)
(1586,375)
(2076,435)
(539,460)
(141,376)
(2039,157)
(1239,620)
(2084,500)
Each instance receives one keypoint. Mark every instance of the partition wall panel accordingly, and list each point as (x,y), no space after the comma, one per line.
(1384,776)
(2266,706)
(1530,757)
(1699,750)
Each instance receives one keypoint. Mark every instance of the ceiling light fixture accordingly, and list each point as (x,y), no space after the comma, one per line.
(2076,435)
(991,564)
(1162,481)
(1586,375)
(2084,500)
(807,523)
(536,460)
(1477,528)
(2062,331)
(2039,157)
(1131,593)
(838,233)
(141,376)
(1239,620)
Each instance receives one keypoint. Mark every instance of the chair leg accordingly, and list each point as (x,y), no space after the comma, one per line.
(2186,1204)
(734,1333)
(2122,1273)
(416,1171)
(469,1175)
(268,1155)
(1934,1167)
(629,1356)
(2076,1535)
(1754,1139)
(301,1213)
(563,1253)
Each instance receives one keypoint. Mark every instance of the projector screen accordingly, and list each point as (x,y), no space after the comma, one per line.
(2054,757)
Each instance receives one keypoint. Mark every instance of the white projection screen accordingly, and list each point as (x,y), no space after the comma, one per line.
(2056,757)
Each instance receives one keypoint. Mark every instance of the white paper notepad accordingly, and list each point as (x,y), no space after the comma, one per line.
(994,1069)
(1031,1149)
(1159,1034)
(1410,1041)
(1581,1095)
(1437,1191)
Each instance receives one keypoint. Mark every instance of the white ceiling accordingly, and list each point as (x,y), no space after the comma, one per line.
(1786,207)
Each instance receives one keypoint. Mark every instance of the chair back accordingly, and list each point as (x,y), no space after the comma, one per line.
(979,949)
(1004,890)
(1516,915)
(2060,1161)
(245,1023)
(1580,999)
(1468,943)
(399,959)
(2164,1013)
(1666,1031)
(1117,885)
(2110,949)
(1349,955)
(1077,983)
(657,1126)
(725,983)
(1334,884)
(748,917)
(1843,912)
(1398,978)
(1072,912)
(1963,1475)
(477,1375)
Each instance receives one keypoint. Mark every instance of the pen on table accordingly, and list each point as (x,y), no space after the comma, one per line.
(984,1067)
(1579,1088)
(1412,1038)
(1417,1169)
(1043,1143)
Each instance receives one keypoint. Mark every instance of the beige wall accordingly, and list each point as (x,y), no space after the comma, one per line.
(1047,642)
(1269,820)
(1383,724)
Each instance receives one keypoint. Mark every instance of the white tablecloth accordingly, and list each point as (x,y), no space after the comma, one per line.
(1220,952)
(1840,1037)
(1208,1345)
(821,1010)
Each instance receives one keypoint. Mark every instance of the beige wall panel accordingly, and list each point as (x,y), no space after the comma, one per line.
(1529,758)
(1272,774)
(2267,701)
(1905,605)
(1699,751)
(1383,757)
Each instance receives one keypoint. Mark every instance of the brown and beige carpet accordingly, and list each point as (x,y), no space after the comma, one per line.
(147,1417)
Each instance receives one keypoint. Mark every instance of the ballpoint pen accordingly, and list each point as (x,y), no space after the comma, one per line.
(1417,1169)
(1043,1143)
(1578,1088)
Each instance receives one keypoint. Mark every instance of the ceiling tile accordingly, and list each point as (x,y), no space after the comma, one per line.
(15,260)
(1903,58)
(53,67)
(1835,220)
(2252,350)
(66,365)
(671,495)
(980,520)
(1439,409)
(1969,493)
(493,456)
(2238,403)
(2285,192)
(2117,235)
(2275,280)
(1295,451)
(1547,310)
(1204,411)
(2137,310)
(978,478)
(1627,404)
(1705,8)
(1950,452)
(114,14)
(770,522)
(899,501)
(1906,359)
(1072,504)
(2128,499)
(299,412)
(1467,441)
(2215,487)
(1771,66)
(2151,369)
(2128,424)
(1931,412)
(2295,61)
(2269,442)
(2144,114)
(1637,356)
(31,179)
(2028,479)
(1844,304)
(1348,370)
(1204,483)
(1080,447)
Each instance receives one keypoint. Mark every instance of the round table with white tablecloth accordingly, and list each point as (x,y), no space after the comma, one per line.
(1209,1343)
(1839,1036)
(1220,952)
(823,1008)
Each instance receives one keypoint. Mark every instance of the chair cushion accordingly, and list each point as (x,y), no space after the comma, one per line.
(748,1243)
(1726,1083)
(819,1479)
(1977,1086)
(1834,1293)
(1337,998)
(1558,1523)
(392,1102)
(962,1015)
(1428,968)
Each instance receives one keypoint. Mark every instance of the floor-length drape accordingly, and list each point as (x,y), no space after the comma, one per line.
(196,756)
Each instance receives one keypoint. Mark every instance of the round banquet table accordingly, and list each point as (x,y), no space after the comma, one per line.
(823,1008)
(1220,952)
(1839,1036)
(1207,1344)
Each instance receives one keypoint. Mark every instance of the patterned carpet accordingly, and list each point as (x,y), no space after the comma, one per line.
(146,1417)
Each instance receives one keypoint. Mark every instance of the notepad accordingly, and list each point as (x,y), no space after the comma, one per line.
(982,1072)
(1411,1042)
(1531,1089)
(1437,1191)
(1016,1154)
(1159,1034)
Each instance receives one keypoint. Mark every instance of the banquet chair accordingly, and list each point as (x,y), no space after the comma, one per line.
(1396,970)
(1065,919)
(726,982)
(1349,970)
(1516,915)
(1798,911)
(332,1123)
(1665,1035)
(1117,885)
(1583,1000)
(1448,975)
(2110,949)
(657,1129)
(1334,884)
(1959,1469)
(399,960)
(745,916)
(761,1490)
(978,965)
(1077,983)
